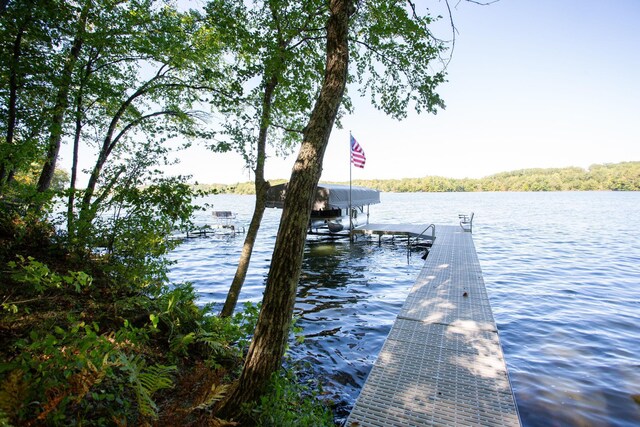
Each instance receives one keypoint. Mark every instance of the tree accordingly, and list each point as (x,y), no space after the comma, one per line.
(286,40)
(33,36)
(146,89)
(272,330)
(279,45)
(61,103)
(392,50)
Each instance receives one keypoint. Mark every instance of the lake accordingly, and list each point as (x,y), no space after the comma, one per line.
(562,271)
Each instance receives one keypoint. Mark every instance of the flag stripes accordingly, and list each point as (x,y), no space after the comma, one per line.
(358,158)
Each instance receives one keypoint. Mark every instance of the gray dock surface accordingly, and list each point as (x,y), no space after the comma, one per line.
(442,363)
(414,230)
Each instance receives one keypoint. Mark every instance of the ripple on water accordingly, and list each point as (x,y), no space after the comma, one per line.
(562,273)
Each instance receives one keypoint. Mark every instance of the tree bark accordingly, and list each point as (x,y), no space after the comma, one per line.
(272,330)
(258,212)
(74,162)
(6,167)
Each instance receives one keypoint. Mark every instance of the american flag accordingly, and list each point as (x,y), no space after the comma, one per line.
(357,154)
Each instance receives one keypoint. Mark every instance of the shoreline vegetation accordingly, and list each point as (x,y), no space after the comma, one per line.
(96,334)
(93,331)
(624,176)
(99,336)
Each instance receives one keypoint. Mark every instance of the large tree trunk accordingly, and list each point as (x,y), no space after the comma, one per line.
(261,187)
(272,330)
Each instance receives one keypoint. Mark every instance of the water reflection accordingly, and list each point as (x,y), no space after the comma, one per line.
(561,271)
(348,296)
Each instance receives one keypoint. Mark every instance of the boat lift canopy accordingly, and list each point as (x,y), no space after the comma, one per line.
(328,197)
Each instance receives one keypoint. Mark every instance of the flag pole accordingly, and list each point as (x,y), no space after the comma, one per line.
(350,166)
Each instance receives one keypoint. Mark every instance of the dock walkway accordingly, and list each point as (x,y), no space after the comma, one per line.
(442,363)
(419,231)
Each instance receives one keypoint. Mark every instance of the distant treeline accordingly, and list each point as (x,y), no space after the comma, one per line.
(623,176)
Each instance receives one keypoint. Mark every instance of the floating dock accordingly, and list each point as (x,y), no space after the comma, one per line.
(417,231)
(442,363)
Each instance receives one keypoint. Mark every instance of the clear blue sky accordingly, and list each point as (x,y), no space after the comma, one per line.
(532,83)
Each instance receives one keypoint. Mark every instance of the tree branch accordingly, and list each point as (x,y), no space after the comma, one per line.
(481,3)
(136,122)
(287,129)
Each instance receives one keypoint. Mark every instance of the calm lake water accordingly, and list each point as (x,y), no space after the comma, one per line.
(562,272)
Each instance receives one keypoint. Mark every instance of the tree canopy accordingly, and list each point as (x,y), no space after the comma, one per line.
(94,329)
(624,176)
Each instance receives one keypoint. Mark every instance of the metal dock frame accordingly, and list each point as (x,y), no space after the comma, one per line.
(442,363)
(417,231)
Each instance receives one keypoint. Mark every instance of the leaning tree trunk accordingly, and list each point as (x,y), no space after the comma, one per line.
(261,187)
(272,330)
(62,103)
(247,249)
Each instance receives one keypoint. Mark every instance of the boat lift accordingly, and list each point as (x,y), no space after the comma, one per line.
(335,215)
(335,207)
(225,225)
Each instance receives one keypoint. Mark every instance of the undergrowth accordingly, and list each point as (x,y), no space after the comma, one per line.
(84,346)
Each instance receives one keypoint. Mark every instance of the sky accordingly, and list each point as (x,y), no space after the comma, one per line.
(531,84)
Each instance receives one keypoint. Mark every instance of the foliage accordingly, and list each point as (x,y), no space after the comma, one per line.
(93,353)
(78,370)
(30,48)
(396,56)
(290,402)
(145,382)
(76,354)
(567,179)
(275,49)
(134,226)
(140,97)
(624,176)
(38,276)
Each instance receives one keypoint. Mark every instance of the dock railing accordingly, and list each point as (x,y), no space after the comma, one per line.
(466,222)
(433,233)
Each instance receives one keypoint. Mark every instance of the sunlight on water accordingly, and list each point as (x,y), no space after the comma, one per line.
(562,272)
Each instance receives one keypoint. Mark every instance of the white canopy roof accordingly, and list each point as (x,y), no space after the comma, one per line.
(328,196)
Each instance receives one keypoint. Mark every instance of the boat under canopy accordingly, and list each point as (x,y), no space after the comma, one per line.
(328,197)
(331,205)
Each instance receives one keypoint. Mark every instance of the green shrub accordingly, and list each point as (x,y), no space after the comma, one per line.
(80,371)
(289,402)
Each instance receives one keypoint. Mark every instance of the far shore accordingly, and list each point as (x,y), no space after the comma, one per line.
(624,176)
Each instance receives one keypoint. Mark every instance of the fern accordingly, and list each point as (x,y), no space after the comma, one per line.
(179,344)
(214,343)
(157,377)
(84,380)
(145,381)
(216,393)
